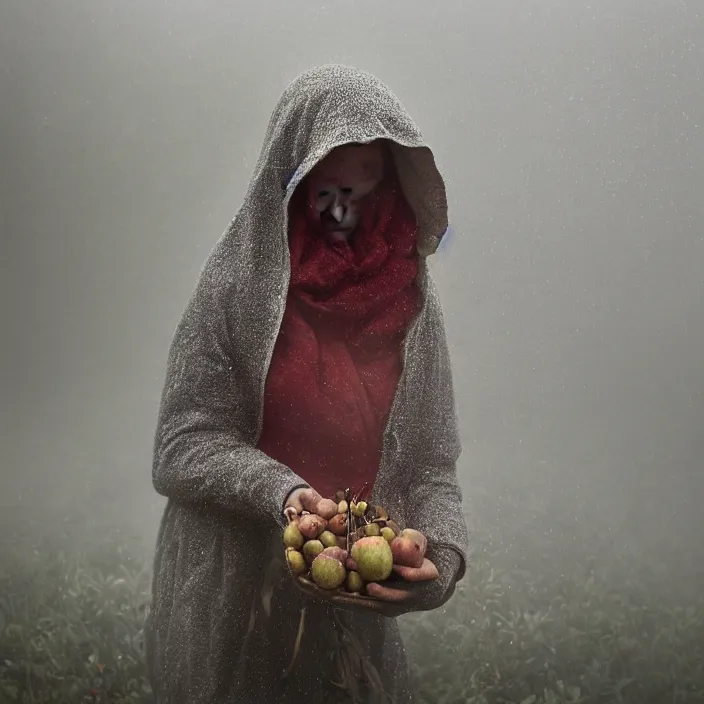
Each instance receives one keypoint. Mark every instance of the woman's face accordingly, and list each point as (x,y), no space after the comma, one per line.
(340,185)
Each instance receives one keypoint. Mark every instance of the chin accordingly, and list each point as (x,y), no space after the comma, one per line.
(339,236)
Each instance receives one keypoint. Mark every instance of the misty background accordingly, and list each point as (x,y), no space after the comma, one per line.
(570,138)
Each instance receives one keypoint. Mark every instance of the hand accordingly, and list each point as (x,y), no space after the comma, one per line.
(308,499)
(427,572)
(396,600)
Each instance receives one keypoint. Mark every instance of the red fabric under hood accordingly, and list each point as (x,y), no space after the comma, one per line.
(337,359)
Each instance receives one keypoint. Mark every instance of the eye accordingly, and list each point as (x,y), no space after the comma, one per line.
(323,193)
(346,190)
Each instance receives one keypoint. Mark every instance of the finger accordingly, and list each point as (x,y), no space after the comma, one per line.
(425,573)
(291,514)
(295,503)
(386,593)
(310,499)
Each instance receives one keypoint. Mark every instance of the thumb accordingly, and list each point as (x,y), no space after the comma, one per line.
(310,499)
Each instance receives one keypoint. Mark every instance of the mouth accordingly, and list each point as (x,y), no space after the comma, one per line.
(331,225)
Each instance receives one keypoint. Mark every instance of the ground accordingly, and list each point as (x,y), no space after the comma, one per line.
(573,626)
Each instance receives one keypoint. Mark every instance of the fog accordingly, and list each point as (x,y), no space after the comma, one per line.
(570,138)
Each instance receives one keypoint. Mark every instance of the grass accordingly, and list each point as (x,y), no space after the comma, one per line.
(71,627)
(587,628)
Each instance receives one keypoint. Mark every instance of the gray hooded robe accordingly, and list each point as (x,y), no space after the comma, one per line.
(226,617)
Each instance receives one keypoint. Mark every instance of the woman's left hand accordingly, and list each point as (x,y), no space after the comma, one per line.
(427,572)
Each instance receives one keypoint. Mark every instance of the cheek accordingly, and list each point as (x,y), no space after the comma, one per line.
(366,202)
(314,202)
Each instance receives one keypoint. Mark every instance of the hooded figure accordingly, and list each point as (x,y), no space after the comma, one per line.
(311,357)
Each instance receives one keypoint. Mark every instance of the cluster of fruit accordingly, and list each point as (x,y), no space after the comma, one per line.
(348,544)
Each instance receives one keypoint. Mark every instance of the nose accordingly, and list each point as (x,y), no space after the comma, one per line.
(337,211)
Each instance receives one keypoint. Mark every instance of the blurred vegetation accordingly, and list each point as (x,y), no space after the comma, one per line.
(542,618)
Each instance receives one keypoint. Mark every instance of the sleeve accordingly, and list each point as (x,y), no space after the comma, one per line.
(436,507)
(200,454)
(434,498)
